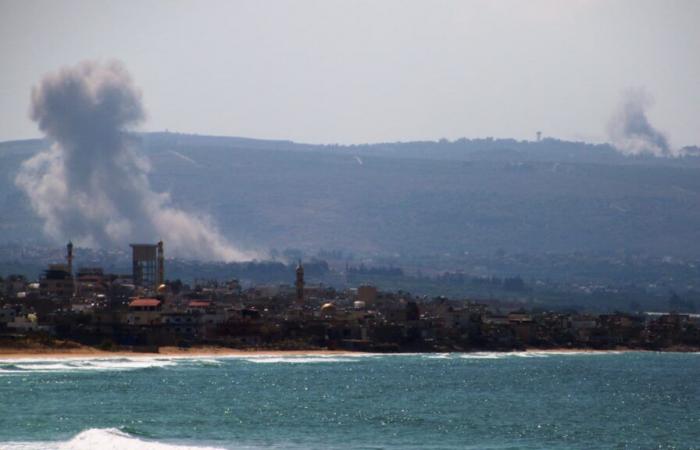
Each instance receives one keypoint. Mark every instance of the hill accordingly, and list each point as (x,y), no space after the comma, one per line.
(414,198)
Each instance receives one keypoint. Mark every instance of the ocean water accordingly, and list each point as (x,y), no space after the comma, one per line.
(437,401)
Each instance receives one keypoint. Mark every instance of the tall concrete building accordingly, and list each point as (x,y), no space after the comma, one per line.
(148,265)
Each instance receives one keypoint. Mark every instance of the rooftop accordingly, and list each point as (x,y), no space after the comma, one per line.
(138,302)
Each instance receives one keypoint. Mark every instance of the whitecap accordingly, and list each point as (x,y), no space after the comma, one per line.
(483,355)
(532,354)
(103,439)
(208,361)
(439,356)
(82,365)
(45,367)
(529,354)
(298,359)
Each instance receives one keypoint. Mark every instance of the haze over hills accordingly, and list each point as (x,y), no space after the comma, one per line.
(413,198)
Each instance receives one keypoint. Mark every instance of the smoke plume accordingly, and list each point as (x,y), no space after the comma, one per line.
(630,130)
(90,186)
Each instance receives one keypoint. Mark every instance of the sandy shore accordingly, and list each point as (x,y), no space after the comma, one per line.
(204,352)
(194,352)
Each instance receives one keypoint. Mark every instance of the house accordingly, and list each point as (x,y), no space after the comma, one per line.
(144,311)
(57,282)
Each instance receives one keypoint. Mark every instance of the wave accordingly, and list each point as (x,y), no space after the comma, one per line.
(81,365)
(299,359)
(62,365)
(439,356)
(523,354)
(483,355)
(58,365)
(103,439)
(208,361)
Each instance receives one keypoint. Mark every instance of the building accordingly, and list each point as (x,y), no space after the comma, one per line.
(367,294)
(69,257)
(147,265)
(299,284)
(57,282)
(144,311)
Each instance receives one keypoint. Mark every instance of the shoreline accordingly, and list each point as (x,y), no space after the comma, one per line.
(211,351)
(193,352)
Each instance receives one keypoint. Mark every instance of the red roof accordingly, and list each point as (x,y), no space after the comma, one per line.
(199,304)
(144,302)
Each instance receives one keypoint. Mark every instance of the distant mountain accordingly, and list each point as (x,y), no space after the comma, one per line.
(412,198)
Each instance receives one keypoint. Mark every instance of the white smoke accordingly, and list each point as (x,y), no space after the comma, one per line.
(90,185)
(630,130)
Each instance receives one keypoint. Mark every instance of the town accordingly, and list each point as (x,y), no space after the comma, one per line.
(143,311)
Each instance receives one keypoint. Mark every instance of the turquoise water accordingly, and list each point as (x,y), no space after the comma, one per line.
(449,401)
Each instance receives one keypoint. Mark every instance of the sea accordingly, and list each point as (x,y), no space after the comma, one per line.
(519,400)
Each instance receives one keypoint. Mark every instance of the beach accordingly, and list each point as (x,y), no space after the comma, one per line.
(86,352)
(192,352)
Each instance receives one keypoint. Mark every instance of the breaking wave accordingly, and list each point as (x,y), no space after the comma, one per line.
(103,439)
(60,365)
(525,354)
(81,365)
(300,359)
(78,365)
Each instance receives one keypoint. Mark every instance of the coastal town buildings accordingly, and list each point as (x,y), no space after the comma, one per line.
(90,306)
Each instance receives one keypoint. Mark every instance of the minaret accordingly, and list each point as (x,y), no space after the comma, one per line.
(161,265)
(69,257)
(300,284)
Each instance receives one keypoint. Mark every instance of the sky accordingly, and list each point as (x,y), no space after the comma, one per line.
(368,71)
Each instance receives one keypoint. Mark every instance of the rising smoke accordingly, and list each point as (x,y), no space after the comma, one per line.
(90,185)
(630,130)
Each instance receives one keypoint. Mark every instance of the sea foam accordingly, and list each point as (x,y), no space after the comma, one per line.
(299,359)
(103,439)
(80,365)
(530,354)
(105,364)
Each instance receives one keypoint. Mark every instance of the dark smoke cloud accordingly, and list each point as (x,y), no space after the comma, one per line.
(630,130)
(90,186)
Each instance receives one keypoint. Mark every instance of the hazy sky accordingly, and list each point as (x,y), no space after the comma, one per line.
(369,71)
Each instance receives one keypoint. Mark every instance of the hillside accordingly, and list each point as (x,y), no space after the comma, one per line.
(411,199)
